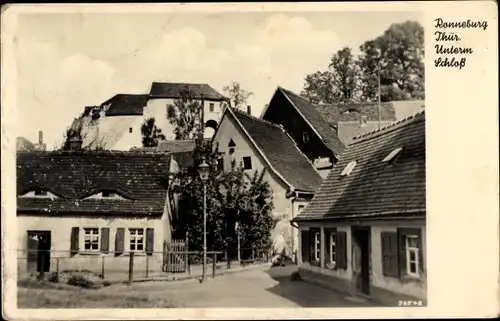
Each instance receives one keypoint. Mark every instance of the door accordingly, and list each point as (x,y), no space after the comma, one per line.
(361,259)
(39,244)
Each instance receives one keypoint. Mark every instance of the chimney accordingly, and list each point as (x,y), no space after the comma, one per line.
(40,137)
(75,143)
(249,109)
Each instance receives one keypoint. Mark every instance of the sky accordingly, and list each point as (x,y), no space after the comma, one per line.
(66,61)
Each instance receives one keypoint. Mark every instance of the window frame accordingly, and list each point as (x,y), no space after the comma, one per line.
(211,107)
(130,130)
(317,246)
(40,192)
(416,252)
(136,236)
(305,137)
(249,158)
(333,250)
(90,236)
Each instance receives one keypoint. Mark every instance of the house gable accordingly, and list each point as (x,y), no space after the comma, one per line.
(281,110)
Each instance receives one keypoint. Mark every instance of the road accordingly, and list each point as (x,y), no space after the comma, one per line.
(266,288)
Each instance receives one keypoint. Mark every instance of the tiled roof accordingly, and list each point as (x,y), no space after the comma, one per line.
(334,113)
(374,187)
(281,152)
(73,176)
(176,146)
(126,104)
(174,90)
(348,130)
(23,144)
(311,114)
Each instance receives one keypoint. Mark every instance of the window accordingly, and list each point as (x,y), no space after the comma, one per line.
(333,252)
(317,246)
(363,120)
(136,239)
(412,255)
(348,169)
(211,107)
(231,146)
(392,155)
(91,239)
(305,137)
(130,130)
(108,194)
(300,208)
(40,192)
(247,162)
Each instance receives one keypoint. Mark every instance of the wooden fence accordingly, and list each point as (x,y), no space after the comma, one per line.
(175,256)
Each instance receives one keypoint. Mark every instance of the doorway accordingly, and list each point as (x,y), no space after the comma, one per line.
(361,253)
(39,245)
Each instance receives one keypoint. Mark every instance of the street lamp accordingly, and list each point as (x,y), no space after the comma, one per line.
(204,171)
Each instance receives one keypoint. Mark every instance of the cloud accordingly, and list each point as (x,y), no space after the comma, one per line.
(55,88)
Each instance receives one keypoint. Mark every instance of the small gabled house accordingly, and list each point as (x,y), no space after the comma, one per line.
(256,144)
(81,206)
(312,134)
(364,232)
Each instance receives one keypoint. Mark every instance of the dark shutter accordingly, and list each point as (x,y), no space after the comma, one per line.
(328,245)
(105,240)
(341,247)
(390,266)
(150,240)
(75,240)
(120,240)
(304,238)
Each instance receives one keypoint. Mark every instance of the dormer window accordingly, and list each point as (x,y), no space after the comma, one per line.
(109,194)
(393,155)
(40,192)
(348,169)
(211,107)
(305,137)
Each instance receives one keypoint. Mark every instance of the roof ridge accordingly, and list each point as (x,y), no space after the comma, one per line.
(256,118)
(402,121)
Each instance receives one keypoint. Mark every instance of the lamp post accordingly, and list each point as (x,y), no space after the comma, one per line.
(204,171)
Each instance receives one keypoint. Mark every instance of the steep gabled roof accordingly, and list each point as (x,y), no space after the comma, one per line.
(140,178)
(375,187)
(280,152)
(126,105)
(324,131)
(174,90)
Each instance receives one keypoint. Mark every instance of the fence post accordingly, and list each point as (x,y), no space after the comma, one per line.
(163,266)
(57,268)
(214,264)
(186,248)
(130,268)
(253,255)
(102,267)
(239,247)
(228,258)
(147,266)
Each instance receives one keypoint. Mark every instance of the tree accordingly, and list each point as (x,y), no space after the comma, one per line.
(232,197)
(237,95)
(400,53)
(338,84)
(185,116)
(151,134)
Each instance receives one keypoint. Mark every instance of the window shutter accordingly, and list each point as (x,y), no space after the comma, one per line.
(105,240)
(389,254)
(304,235)
(150,240)
(75,240)
(120,240)
(401,253)
(341,247)
(420,251)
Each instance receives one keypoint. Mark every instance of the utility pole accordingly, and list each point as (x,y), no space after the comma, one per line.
(379,104)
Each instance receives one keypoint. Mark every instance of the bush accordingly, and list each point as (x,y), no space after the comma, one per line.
(81,278)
